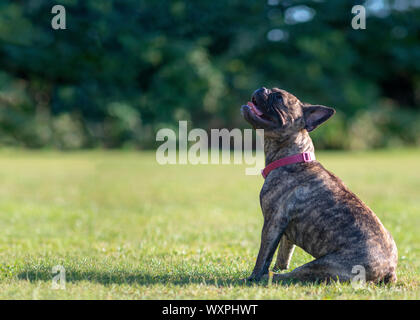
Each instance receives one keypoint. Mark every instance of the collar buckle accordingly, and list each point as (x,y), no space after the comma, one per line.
(307,157)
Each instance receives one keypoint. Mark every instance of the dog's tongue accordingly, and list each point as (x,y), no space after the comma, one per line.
(254,108)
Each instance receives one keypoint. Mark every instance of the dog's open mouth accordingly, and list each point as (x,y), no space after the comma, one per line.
(257,112)
(255,115)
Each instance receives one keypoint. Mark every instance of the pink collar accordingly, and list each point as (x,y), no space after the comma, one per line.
(296,158)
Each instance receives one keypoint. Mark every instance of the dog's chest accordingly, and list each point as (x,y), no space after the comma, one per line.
(276,198)
(284,193)
(295,199)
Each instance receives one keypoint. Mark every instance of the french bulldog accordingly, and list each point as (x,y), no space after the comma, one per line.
(305,205)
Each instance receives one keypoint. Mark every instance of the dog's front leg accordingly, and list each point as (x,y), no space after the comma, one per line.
(284,254)
(272,231)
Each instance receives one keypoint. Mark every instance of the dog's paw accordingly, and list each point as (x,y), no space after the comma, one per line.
(271,276)
(265,277)
(251,279)
(254,278)
(278,268)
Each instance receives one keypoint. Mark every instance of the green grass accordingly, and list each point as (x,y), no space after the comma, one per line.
(125,227)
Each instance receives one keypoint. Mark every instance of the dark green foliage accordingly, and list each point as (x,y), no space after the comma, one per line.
(123,69)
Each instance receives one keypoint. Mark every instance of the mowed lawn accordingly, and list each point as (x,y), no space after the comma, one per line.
(124,227)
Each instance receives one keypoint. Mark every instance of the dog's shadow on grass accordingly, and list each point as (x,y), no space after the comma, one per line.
(121,277)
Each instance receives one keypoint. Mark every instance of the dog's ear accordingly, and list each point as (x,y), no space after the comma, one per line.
(315,115)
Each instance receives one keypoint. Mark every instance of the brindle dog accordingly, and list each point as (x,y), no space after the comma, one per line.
(304,204)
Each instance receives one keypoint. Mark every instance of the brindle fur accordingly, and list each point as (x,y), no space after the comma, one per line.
(304,204)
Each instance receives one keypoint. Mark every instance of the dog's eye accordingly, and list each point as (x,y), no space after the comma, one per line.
(279,96)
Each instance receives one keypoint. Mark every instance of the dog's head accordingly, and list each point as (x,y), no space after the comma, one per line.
(281,114)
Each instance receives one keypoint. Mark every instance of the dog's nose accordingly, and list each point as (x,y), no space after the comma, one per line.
(262,90)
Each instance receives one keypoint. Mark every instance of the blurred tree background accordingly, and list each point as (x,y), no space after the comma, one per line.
(124,69)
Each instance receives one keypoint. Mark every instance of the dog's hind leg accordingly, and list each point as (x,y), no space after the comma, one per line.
(323,269)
